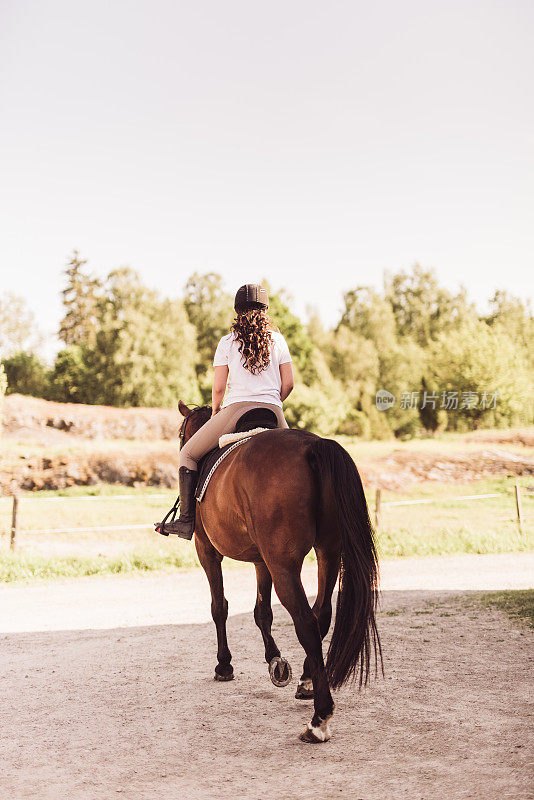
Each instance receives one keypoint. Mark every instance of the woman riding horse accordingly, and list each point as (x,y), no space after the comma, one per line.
(254,361)
(271,500)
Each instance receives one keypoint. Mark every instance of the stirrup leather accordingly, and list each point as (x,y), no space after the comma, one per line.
(160,526)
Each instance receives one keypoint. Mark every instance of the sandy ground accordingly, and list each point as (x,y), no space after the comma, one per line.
(107,689)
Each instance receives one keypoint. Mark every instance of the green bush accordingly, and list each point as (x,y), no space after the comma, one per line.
(69,378)
(314,409)
(26,374)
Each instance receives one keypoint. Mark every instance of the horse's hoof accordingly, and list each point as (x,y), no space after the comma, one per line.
(227,676)
(224,678)
(312,735)
(280,671)
(304,690)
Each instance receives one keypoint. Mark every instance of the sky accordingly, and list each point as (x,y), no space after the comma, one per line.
(314,144)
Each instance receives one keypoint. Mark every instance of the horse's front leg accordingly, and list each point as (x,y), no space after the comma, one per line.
(210,558)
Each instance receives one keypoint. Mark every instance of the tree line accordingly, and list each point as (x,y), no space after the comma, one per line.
(438,363)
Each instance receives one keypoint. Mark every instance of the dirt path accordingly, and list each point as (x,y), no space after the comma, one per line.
(129,707)
(182,597)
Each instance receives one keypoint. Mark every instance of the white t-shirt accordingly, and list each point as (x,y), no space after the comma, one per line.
(243,385)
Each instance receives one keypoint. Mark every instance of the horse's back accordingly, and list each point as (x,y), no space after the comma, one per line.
(263,496)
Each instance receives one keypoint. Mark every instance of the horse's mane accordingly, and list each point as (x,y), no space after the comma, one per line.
(196,409)
(202,411)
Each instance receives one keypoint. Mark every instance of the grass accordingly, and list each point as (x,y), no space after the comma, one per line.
(39,511)
(518,604)
(33,566)
(448,526)
(443,540)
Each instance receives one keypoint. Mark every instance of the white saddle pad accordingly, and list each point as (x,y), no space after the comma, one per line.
(228,438)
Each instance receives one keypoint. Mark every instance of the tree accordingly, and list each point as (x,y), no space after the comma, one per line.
(399,362)
(514,317)
(210,309)
(370,315)
(70,380)
(510,312)
(354,361)
(291,327)
(433,417)
(401,370)
(480,362)
(80,300)
(145,351)
(18,329)
(422,308)
(26,374)
(315,328)
(320,407)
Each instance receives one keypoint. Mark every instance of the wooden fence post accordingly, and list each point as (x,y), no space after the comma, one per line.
(13,538)
(378,504)
(518,506)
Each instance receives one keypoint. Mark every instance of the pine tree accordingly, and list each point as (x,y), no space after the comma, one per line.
(80,300)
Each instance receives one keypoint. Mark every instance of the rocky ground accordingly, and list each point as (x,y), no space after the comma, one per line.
(54,445)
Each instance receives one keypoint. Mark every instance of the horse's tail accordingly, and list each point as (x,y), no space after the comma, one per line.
(355,634)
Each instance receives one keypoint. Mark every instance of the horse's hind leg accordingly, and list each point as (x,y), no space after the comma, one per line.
(327,572)
(279,668)
(211,559)
(263,613)
(292,595)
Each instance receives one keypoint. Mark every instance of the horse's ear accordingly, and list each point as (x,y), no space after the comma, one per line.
(183,409)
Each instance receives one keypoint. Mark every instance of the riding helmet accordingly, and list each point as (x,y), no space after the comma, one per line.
(251,295)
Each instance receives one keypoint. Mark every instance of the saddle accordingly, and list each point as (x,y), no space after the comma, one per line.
(252,422)
(256,418)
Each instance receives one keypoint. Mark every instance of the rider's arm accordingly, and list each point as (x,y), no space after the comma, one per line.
(219,387)
(286,374)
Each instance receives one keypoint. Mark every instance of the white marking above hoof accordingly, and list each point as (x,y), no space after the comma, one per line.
(306,684)
(315,735)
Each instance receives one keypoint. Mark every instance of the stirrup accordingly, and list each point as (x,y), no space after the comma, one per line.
(184,528)
(160,526)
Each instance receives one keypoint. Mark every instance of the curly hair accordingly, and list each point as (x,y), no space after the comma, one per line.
(252,329)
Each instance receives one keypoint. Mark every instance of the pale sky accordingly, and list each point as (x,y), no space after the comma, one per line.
(314,143)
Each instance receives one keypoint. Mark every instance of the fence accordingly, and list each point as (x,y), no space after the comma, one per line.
(379,505)
(15,532)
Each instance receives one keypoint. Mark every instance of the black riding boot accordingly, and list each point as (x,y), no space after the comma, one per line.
(184,526)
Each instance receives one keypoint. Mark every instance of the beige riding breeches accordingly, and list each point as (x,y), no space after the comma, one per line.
(207,437)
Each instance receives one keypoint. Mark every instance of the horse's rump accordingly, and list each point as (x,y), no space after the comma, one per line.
(263,487)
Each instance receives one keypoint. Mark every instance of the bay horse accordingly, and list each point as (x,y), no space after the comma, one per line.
(273,499)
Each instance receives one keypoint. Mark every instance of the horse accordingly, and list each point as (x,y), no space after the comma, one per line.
(270,501)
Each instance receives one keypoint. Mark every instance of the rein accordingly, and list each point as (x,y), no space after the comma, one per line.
(181,433)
